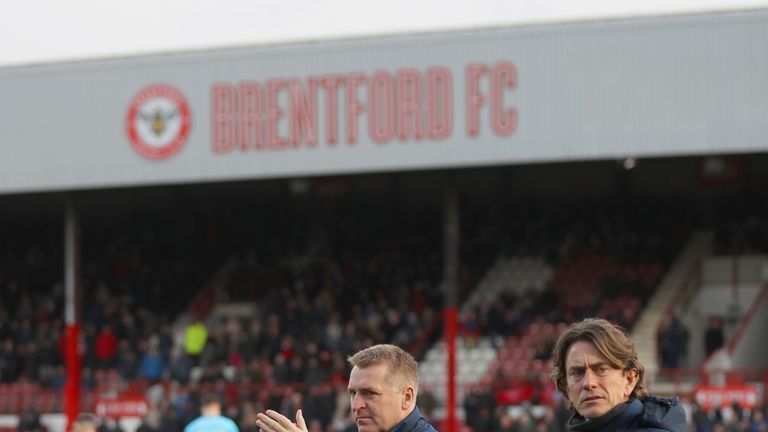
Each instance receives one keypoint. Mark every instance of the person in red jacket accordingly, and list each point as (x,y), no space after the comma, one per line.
(105,347)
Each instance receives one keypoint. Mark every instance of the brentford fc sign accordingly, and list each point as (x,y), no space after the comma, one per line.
(335,109)
(158,121)
(383,106)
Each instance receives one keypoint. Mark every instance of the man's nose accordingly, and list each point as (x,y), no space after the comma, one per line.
(357,402)
(590,379)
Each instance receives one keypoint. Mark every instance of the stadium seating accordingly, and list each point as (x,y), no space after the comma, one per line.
(346,291)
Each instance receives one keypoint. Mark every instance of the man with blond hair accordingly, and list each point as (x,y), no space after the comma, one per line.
(597,369)
(85,422)
(382,388)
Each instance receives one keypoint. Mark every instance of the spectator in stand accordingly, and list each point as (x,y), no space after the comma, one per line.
(383,386)
(110,425)
(296,370)
(129,327)
(181,368)
(549,422)
(427,403)
(737,413)
(9,362)
(293,401)
(127,362)
(313,373)
(152,366)
(165,342)
(719,427)
(526,423)
(758,423)
(85,423)
(29,421)
(280,369)
(145,427)
(714,338)
(170,420)
(195,337)
(673,342)
(210,418)
(700,419)
(31,361)
(504,421)
(483,420)
(475,402)
(105,347)
(596,368)
(248,421)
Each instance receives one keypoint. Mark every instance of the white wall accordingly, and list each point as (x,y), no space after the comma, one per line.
(719,297)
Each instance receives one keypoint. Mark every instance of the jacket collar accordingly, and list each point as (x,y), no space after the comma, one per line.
(408,423)
(612,420)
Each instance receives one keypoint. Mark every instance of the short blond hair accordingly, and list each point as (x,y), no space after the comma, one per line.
(85,422)
(402,365)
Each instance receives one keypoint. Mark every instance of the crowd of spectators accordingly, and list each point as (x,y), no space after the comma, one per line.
(608,261)
(327,277)
(363,280)
(729,417)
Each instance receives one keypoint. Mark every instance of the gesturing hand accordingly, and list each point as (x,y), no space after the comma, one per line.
(273,421)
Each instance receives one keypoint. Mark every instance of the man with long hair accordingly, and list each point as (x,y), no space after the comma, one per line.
(597,369)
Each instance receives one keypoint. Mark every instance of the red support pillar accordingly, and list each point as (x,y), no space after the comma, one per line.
(450,318)
(451,281)
(72,311)
(72,385)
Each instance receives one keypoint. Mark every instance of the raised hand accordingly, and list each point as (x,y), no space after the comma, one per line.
(273,421)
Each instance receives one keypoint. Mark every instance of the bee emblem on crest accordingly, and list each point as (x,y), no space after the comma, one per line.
(158,121)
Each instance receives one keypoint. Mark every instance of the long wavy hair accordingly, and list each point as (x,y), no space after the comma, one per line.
(610,340)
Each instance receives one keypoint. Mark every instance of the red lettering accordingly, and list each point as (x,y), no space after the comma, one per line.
(439,102)
(274,114)
(475,99)
(250,121)
(380,100)
(504,76)
(303,108)
(331,83)
(354,107)
(223,117)
(409,104)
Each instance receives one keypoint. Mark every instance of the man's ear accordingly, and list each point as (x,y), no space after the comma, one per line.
(409,397)
(631,377)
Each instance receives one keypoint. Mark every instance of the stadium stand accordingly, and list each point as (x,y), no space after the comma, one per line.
(284,299)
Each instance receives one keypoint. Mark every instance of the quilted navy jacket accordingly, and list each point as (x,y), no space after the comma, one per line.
(652,414)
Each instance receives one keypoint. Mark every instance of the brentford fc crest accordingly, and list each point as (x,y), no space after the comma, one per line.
(158,121)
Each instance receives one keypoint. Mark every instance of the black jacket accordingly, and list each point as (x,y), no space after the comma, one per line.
(415,422)
(652,414)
